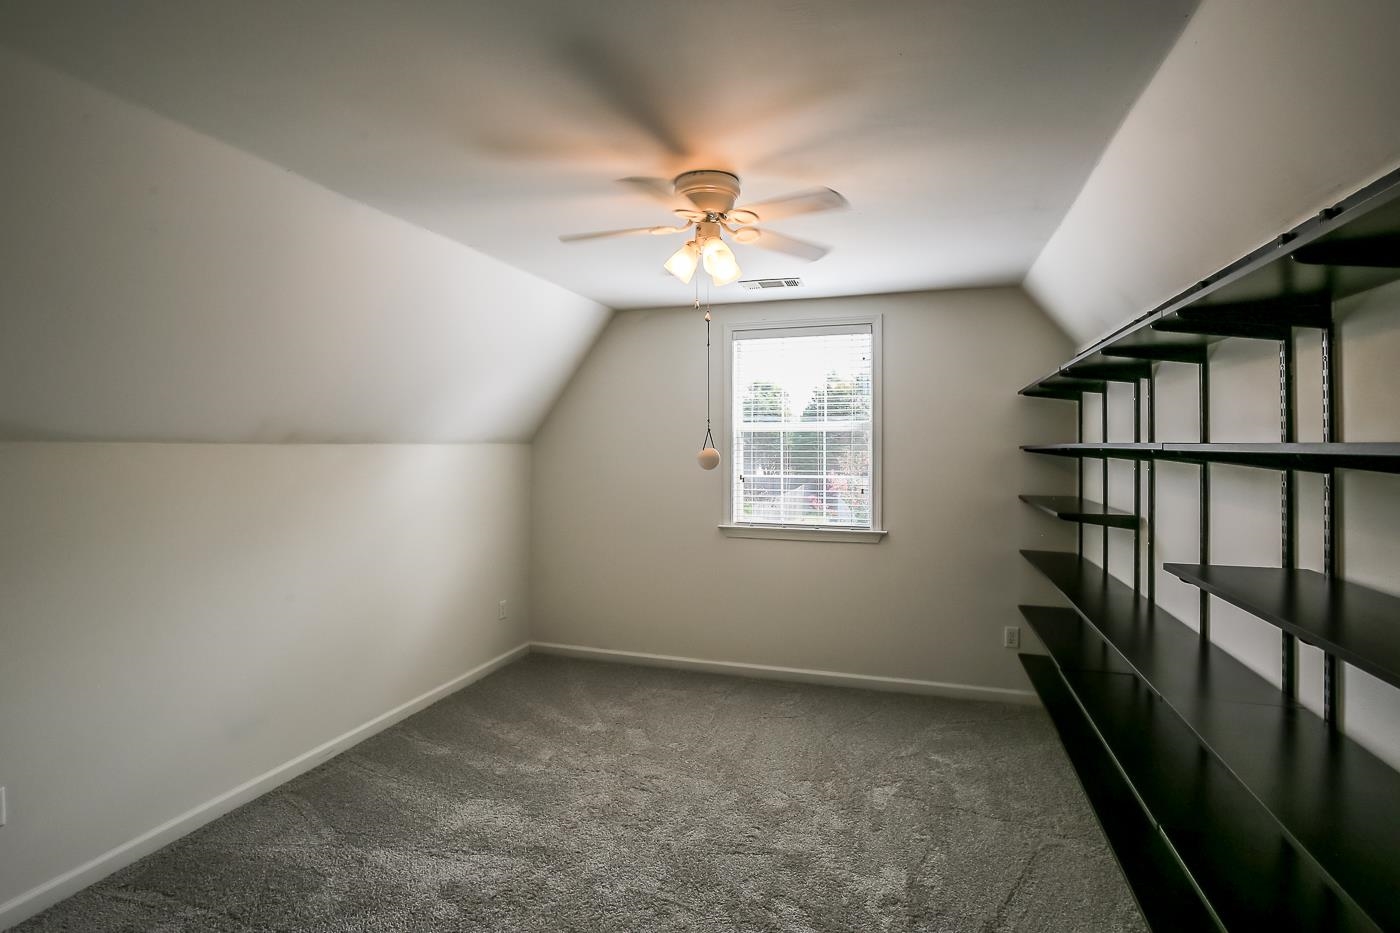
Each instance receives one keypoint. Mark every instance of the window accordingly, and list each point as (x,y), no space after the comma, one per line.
(803,418)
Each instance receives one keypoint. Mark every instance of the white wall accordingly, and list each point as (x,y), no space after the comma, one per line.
(627,556)
(160,285)
(1263,113)
(179,619)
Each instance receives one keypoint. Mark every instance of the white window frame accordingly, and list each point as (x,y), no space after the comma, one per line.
(877,531)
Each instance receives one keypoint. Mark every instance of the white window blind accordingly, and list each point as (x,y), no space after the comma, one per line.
(802,420)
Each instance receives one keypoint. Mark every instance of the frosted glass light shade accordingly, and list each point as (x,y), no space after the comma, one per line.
(720,262)
(708,458)
(683,262)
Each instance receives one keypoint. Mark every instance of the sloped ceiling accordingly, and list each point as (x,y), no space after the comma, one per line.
(960,130)
(159,285)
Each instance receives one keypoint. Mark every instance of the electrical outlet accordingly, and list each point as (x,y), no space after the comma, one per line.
(501,610)
(1011,637)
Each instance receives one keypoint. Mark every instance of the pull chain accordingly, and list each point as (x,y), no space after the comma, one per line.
(708,395)
(708,458)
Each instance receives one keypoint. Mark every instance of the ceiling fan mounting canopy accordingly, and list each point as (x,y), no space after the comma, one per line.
(709,190)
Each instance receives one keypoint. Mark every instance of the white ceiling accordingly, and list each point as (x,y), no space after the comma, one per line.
(960,130)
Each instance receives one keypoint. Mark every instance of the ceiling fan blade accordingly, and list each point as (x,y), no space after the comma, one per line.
(767,239)
(659,189)
(803,202)
(631,231)
(626,89)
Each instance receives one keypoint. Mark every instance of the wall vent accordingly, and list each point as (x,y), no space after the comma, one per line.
(770,283)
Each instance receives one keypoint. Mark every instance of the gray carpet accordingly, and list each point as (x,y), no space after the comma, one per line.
(561,795)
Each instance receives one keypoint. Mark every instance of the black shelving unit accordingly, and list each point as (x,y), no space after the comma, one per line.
(1083,511)
(1261,814)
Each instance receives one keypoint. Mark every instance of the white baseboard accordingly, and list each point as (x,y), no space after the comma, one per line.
(29,903)
(801,675)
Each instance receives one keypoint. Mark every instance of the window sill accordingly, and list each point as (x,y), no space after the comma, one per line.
(804,533)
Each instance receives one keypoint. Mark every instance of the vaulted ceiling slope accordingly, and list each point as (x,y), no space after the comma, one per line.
(156,284)
(960,130)
(1265,112)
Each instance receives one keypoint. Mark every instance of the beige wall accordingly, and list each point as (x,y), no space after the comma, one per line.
(179,619)
(1245,508)
(626,554)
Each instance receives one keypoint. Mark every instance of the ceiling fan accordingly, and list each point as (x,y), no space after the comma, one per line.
(705,201)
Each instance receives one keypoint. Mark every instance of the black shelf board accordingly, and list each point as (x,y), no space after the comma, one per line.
(1264,318)
(1333,798)
(1063,633)
(1194,352)
(1380,251)
(1155,877)
(1160,648)
(1138,350)
(1214,327)
(1286,311)
(1109,370)
(1314,457)
(1146,343)
(1035,391)
(1357,624)
(1059,386)
(1083,511)
(1124,451)
(1309,457)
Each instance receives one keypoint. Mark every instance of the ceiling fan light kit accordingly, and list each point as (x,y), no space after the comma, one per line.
(712,194)
(720,261)
(683,261)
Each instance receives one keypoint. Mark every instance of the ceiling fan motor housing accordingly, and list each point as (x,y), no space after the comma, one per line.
(711,191)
